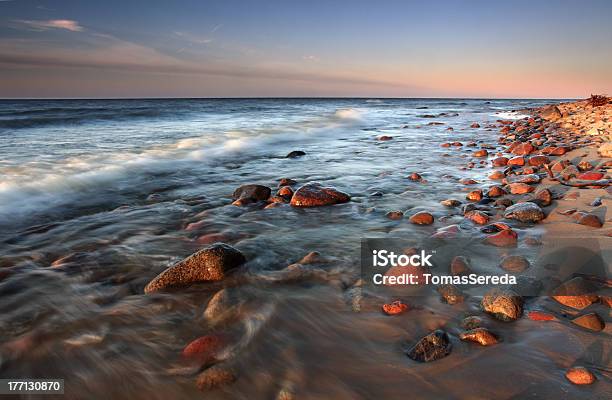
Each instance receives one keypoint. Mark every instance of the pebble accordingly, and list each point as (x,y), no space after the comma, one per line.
(315,195)
(432,347)
(577,293)
(395,308)
(474,195)
(247,194)
(518,161)
(505,238)
(543,197)
(422,218)
(204,350)
(514,264)
(481,153)
(497,175)
(214,377)
(520,188)
(478,217)
(590,321)
(496,191)
(450,203)
(504,305)
(209,264)
(525,212)
(588,219)
(415,177)
(481,336)
(580,376)
(451,294)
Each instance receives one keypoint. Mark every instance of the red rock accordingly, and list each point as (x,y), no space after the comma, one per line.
(195,225)
(514,264)
(422,218)
(285,191)
(580,376)
(590,321)
(480,153)
(474,195)
(540,316)
(460,266)
(215,377)
(475,125)
(457,144)
(505,129)
(286,182)
(445,145)
(397,307)
(499,161)
(315,195)
(504,238)
(468,181)
(523,149)
(576,293)
(520,188)
(415,177)
(211,238)
(384,138)
(495,191)
(204,350)
(497,175)
(278,200)
(591,176)
(558,151)
(481,336)
(538,160)
(478,217)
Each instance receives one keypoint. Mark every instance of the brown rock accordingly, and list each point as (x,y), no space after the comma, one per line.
(214,377)
(451,294)
(499,161)
(481,153)
(209,264)
(580,376)
(286,182)
(590,321)
(520,188)
(415,177)
(481,336)
(543,197)
(422,218)
(204,350)
(315,195)
(514,264)
(251,194)
(475,125)
(460,265)
(450,203)
(496,191)
(589,220)
(577,293)
(432,347)
(471,322)
(523,149)
(504,238)
(504,305)
(478,217)
(474,195)
(551,113)
(285,191)
(518,161)
(538,160)
(497,175)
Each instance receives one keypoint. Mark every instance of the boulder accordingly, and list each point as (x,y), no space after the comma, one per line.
(207,265)
(315,195)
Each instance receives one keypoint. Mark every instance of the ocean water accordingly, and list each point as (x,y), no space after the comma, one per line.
(124,188)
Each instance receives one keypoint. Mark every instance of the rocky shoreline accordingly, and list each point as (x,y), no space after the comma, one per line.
(550,169)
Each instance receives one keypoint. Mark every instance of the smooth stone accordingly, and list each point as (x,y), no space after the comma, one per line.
(471,322)
(251,193)
(316,195)
(543,197)
(215,377)
(525,212)
(520,188)
(474,195)
(590,321)
(514,264)
(481,336)
(504,305)
(450,203)
(591,220)
(395,215)
(460,265)
(295,154)
(204,350)
(478,217)
(580,376)
(422,218)
(209,264)
(577,293)
(286,182)
(451,294)
(504,238)
(528,178)
(432,347)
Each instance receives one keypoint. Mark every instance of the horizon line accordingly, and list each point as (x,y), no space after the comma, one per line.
(288,97)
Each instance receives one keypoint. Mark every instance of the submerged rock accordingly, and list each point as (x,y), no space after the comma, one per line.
(394,308)
(209,264)
(525,212)
(432,347)
(315,195)
(422,218)
(451,294)
(215,377)
(450,203)
(471,322)
(251,193)
(295,154)
(588,219)
(504,305)
(460,265)
(481,336)
(514,264)
(204,350)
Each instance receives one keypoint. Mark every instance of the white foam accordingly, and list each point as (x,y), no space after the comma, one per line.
(510,115)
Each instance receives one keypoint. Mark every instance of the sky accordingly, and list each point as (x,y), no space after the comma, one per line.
(286,48)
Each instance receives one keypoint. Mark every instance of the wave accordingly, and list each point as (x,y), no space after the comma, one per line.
(90,180)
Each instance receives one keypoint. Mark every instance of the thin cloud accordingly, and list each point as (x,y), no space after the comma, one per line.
(193,38)
(66,24)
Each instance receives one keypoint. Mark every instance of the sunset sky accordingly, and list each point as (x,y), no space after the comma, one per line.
(250,48)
